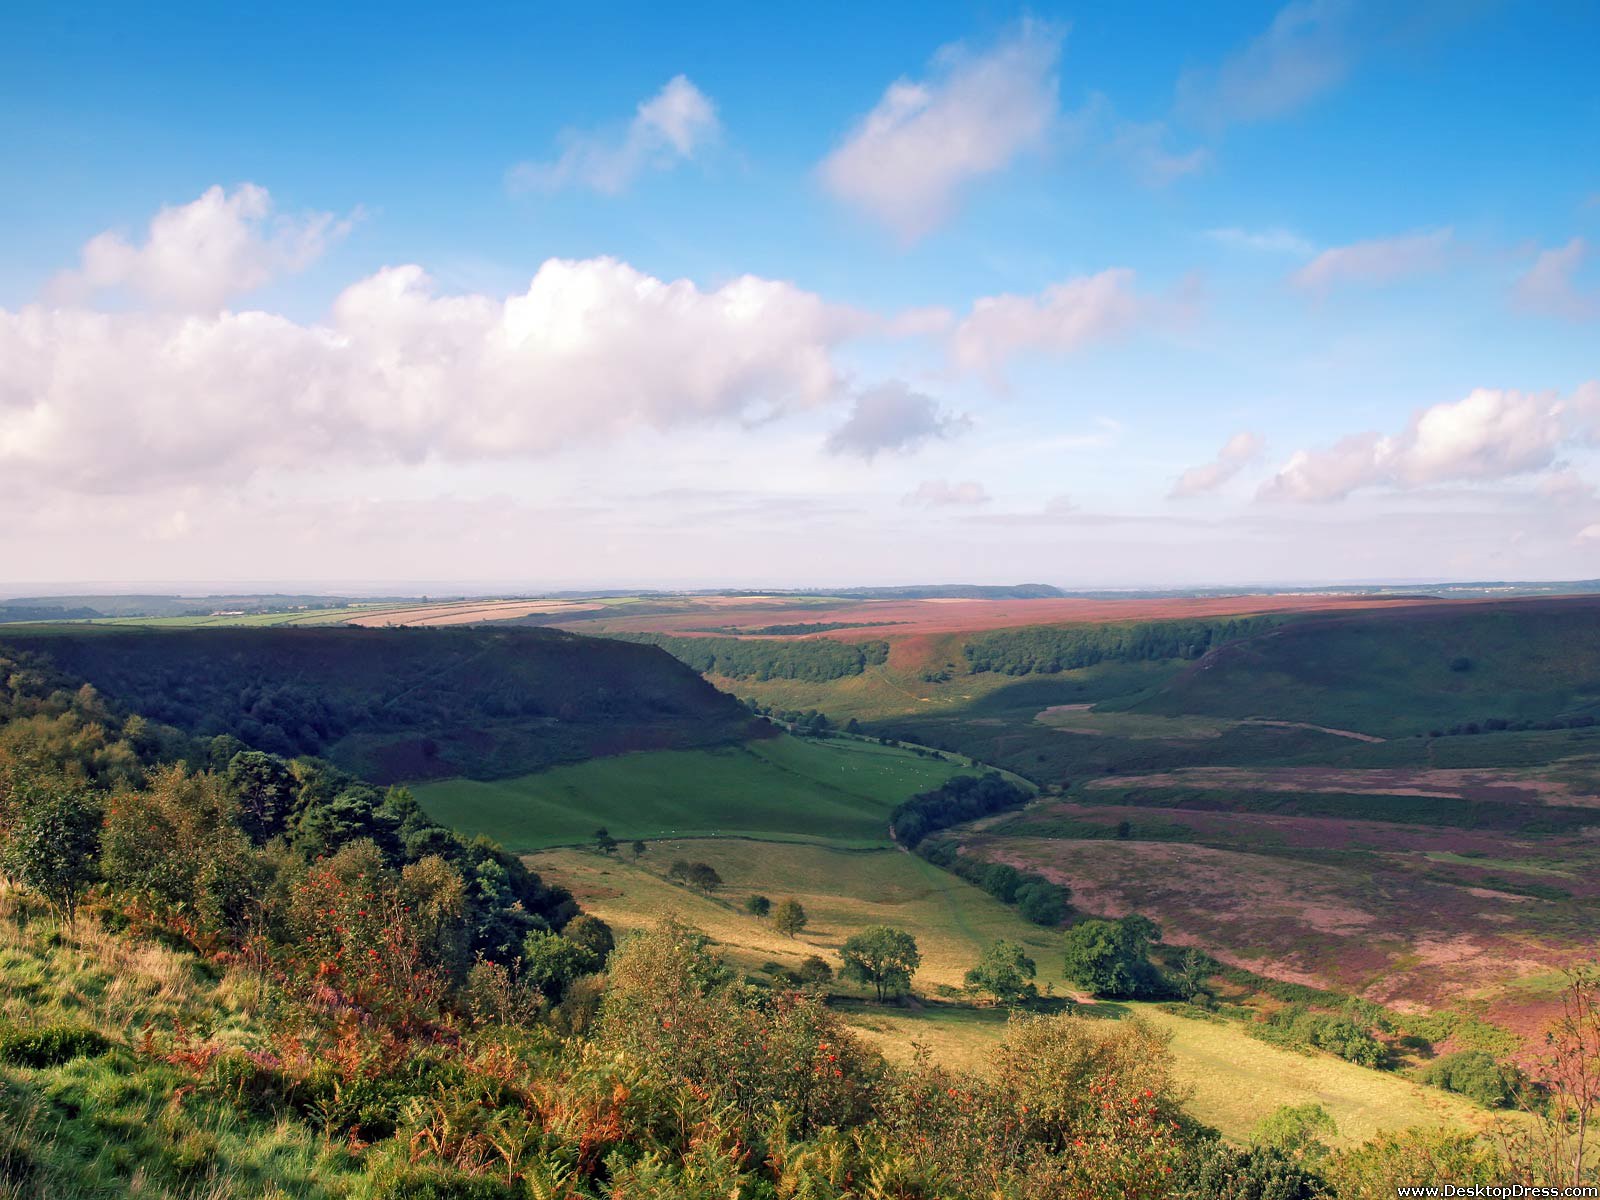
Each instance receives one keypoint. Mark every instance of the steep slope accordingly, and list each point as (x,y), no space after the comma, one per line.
(394,704)
(1399,672)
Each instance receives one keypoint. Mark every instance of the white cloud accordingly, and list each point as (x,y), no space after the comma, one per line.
(1548,287)
(672,126)
(1381,260)
(1304,52)
(907,160)
(892,417)
(1589,533)
(941,493)
(1064,317)
(1491,434)
(196,256)
(592,349)
(1566,486)
(1266,241)
(1237,452)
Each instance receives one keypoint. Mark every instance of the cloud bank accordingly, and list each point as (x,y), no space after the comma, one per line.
(113,401)
(1489,435)
(197,256)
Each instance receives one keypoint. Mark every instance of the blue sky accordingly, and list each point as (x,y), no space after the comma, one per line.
(566,295)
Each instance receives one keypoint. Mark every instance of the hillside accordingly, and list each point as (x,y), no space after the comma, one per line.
(1408,671)
(396,704)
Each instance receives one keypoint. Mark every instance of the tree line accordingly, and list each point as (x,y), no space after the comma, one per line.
(815,660)
(1049,649)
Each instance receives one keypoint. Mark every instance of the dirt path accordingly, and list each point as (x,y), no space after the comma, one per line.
(1344,733)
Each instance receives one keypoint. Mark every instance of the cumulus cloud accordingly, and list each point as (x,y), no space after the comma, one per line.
(593,348)
(892,417)
(1490,434)
(1064,317)
(196,256)
(1237,452)
(1304,52)
(670,127)
(941,493)
(1381,260)
(1549,287)
(905,163)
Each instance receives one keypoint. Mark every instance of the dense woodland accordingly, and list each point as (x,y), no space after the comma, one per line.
(394,704)
(815,660)
(1050,649)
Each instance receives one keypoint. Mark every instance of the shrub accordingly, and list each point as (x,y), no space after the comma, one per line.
(51,1045)
(1414,1157)
(1296,1130)
(1476,1075)
(1042,902)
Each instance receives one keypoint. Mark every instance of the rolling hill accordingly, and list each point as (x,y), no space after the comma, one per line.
(399,704)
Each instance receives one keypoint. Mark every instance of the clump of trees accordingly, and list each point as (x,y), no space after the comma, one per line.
(1037,898)
(698,875)
(1049,649)
(1112,958)
(815,660)
(1303,1028)
(962,799)
(1478,1075)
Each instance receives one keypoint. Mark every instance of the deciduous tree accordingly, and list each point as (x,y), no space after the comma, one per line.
(883,957)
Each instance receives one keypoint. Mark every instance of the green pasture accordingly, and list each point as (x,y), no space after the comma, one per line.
(838,791)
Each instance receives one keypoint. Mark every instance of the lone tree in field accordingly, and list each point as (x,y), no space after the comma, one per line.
(884,957)
(603,841)
(757,906)
(51,848)
(789,918)
(1005,973)
(638,850)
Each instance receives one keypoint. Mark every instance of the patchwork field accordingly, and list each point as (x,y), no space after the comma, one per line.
(839,790)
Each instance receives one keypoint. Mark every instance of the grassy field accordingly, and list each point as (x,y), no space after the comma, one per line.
(1075,718)
(1236,1079)
(840,791)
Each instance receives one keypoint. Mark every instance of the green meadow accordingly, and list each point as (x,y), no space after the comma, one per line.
(839,791)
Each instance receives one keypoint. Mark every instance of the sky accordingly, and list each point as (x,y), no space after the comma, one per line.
(617,295)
